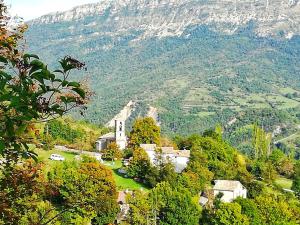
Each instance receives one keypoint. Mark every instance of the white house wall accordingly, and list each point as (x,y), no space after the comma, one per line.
(179,162)
(228,196)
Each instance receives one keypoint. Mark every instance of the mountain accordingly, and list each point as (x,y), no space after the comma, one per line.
(167,18)
(197,62)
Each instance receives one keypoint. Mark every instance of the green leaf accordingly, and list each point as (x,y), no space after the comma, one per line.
(52,76)
(38,76)
(64,83)
(55,107)
(63,99)
(64,64)
(6,75)
(46,74)
(3,59)
(38,64)
(58,71)
(79,91)
(30,56)
(74,84)
(57,80)
(15,101)
(32,154)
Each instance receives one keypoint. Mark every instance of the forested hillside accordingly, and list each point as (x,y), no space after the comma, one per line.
(197,78)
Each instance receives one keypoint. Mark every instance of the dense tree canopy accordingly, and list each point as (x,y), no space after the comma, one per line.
(112,152)
(144,131)
(165,205)
(212,157)
(140,164)
(229,214)
(162,170)
(22,196)
(87,191)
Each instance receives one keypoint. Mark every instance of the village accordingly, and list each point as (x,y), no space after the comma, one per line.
(226,190)
(210,135)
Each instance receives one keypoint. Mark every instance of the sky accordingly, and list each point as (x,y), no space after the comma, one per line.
(30,9)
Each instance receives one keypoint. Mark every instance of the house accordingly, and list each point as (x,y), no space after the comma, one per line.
(179,158)
(230,189)
(117,136)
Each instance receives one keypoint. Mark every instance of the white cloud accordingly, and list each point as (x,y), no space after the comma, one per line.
(29,9)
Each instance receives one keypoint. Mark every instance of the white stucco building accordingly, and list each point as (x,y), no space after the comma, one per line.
(118,136)
(179,158)
(230,189)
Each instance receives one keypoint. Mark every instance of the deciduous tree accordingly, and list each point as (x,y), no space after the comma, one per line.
(229,214)
(174,207)
(84,191)
(30,92)
(140,165)
(112,152)
(144,131)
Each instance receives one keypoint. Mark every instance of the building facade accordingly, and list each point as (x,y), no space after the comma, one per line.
(179,158)
(119,136)
(230,190)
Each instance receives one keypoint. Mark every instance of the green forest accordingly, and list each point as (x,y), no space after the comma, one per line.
(196,80)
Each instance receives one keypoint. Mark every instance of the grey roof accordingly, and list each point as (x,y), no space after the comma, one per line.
(166,150)
(227,185)
(148,147)
(110,135)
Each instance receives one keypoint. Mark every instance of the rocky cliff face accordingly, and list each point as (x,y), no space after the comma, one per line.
(162,18)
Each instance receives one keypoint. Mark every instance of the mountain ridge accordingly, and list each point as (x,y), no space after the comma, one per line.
(166,18)
(195,78)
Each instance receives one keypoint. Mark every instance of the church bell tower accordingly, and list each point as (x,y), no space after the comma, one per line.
(120,135)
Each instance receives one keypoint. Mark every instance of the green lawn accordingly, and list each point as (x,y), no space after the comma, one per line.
(44,156)
(284,182)
(123,182)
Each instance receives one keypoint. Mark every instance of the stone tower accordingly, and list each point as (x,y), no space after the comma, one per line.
(120,135)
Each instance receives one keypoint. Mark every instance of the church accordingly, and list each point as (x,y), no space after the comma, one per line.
(118,136)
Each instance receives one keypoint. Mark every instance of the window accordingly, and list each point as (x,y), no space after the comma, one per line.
(121,126)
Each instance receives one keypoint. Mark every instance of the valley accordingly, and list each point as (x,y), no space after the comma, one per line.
(199,63)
